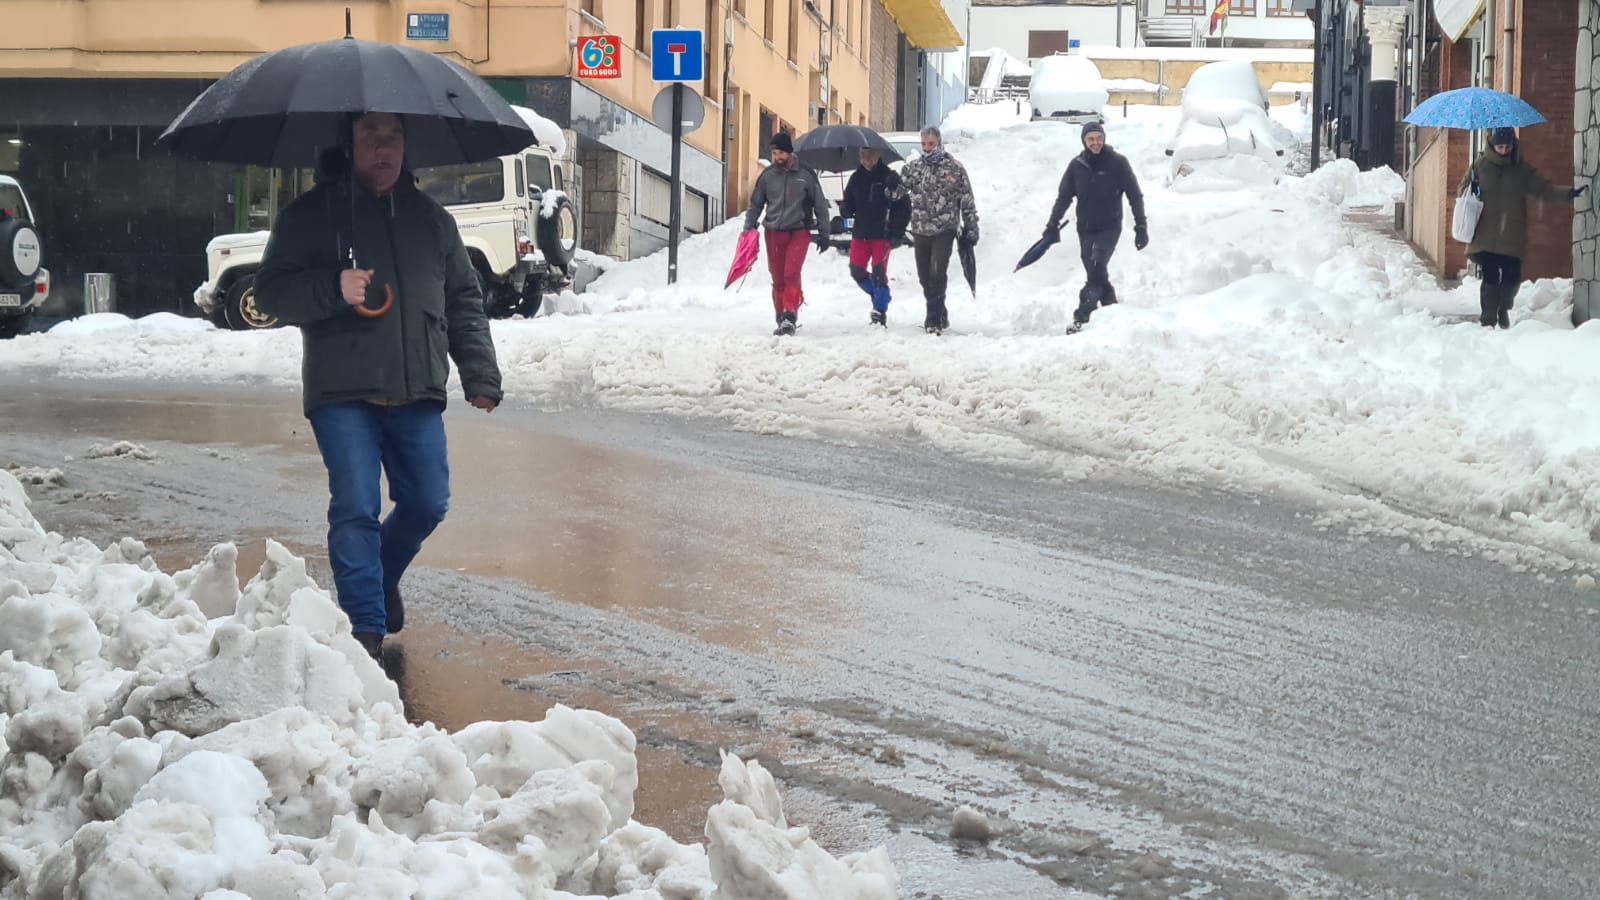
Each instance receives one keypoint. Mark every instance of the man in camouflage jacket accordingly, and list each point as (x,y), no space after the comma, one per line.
(942,211)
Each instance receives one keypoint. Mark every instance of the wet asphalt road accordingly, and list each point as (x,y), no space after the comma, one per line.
(1151,692)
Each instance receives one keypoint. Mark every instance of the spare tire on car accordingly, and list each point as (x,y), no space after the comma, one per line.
(557,235)
(20,252)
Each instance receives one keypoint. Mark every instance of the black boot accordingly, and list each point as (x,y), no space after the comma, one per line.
(394,611)
(787,324)
(371,642)
(1488,304)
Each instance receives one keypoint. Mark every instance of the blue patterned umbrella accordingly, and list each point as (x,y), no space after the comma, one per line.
(1473,108)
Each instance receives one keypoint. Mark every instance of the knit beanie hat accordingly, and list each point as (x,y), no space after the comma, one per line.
(782,141)
(1503,135)
(1093,128)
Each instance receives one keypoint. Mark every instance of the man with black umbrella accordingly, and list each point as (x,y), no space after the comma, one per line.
(374,385)
(1098,178)
(792,198)
(880,210)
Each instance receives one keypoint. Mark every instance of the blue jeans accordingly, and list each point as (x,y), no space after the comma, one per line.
(359,440)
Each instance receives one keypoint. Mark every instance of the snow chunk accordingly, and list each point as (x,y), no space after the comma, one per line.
(970,825)
(548,133)
(119,449)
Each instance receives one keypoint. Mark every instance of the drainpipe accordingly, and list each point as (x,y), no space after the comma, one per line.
(729,109)
(1508,29)
(1317,67)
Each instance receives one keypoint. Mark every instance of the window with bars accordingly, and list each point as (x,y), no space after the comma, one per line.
(655,196)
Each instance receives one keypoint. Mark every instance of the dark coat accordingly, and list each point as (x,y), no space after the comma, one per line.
(878,203)
(1098,181)
(792,198)
(412,245)
(1506,183)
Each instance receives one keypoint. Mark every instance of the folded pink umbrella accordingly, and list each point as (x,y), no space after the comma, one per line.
(744,256)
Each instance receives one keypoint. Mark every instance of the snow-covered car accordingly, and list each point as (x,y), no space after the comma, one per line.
(1224,129)
(1067,88)
(24,282)
(518,223)
(907,143)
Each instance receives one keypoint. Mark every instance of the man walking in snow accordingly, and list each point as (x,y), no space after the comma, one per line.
(875,199)
(942,208)
(1098,178)
(792,198)
(375,387)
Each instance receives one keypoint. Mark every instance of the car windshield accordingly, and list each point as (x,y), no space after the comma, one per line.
(11,198)
(908,150)
(481,182)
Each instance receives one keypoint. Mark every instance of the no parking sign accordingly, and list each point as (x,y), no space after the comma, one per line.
(600,56)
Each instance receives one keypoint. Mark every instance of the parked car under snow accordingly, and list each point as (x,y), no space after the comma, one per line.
(1224,133)
(1067,88)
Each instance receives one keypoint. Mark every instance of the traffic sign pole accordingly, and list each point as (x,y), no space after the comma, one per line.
(675,219)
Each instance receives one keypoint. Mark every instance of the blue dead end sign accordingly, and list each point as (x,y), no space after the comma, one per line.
(677,54)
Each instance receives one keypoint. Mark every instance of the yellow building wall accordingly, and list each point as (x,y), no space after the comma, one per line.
(504,39)
(1174,74)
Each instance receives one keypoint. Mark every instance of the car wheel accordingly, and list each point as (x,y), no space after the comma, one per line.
(558,235)
(532,298)
(239,307)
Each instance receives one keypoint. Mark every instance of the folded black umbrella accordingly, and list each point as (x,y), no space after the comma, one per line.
(1038,249)
(837,148)
(281,109)
(969,263)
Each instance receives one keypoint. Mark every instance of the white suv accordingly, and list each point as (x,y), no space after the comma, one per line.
(24,283)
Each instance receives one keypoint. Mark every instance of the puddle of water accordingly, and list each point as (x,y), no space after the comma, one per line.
(697,551)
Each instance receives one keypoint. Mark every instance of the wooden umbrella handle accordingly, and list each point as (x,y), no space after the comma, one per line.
(367,312)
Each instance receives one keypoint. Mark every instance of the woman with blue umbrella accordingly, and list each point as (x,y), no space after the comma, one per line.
(1504,181)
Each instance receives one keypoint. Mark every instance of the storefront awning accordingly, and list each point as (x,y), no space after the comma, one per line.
(1456,16)
(925,23)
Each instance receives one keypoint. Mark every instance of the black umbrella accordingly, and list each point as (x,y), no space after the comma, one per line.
(1053,236)
(282,108)
(836,148)
(969,263)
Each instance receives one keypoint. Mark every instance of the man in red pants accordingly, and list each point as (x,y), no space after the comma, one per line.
(792,198)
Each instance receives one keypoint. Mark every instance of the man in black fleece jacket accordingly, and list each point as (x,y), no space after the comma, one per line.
(1097,178)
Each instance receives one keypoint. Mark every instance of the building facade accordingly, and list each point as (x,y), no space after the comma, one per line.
(87,86)
(1249,23)
(1032,29)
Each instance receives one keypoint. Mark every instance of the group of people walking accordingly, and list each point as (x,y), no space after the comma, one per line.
(931,201)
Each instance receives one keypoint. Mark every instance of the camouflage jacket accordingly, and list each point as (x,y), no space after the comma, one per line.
(941,197)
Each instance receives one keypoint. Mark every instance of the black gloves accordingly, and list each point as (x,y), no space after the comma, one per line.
(896,238)
(1052,231)
(1578,191)
(970,237)
(822,242)
(1141,237)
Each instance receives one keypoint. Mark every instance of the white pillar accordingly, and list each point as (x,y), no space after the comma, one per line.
(1385,25)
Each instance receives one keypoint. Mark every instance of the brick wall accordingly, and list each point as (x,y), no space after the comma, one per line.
(881,68)
(1543,74)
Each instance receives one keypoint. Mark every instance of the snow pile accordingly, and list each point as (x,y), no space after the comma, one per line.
(119,449)
(165,324)
(1068,84)
(547,132)
(1222,83)
(178,736)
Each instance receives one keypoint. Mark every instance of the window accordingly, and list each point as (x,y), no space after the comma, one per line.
(669,14)
(1281,9)
(739,7)
(522,180)
(539,173)
(1242,8)
(641,26)
(694,211)
(480,182)
(655,196)
(1046,43)
(1188,8)
(592,7)
(769,22)
(794,30)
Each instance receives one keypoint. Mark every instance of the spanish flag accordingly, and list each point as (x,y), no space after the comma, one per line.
(1218,15)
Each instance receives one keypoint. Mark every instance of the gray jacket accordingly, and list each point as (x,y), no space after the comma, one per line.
(792,198)
(941,197)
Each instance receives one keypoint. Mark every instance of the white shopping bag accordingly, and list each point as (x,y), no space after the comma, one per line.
(1468,209)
